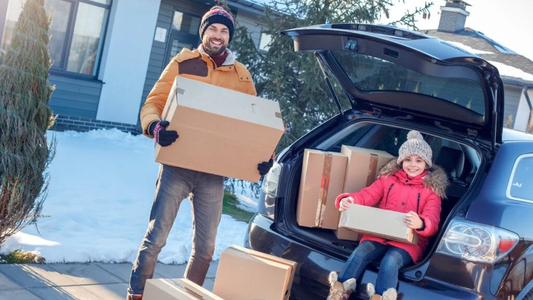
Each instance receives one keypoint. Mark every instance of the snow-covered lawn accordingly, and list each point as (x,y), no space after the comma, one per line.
(100,195)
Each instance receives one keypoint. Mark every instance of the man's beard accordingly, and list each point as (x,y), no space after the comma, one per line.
(212,51)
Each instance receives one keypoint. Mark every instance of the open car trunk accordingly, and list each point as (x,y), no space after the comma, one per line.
(459,161)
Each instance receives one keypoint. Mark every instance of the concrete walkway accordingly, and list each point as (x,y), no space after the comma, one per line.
(78,281)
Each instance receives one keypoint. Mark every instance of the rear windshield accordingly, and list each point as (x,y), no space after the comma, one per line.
(370,74)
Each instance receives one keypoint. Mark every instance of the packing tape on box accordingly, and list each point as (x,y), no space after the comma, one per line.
(323,193)
(372,169)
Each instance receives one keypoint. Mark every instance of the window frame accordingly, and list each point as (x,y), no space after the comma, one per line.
(171,34)
(68,41)
(511,178)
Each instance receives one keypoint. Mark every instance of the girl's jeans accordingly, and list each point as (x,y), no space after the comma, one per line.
(393,259)
(173,185)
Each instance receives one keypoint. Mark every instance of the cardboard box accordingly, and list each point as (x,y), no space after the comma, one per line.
(176,289)
(321,182)
(245,274)
(221,131)
(363,167)
(378,222)
(345,234)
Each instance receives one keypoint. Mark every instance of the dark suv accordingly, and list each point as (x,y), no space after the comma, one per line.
(395,81)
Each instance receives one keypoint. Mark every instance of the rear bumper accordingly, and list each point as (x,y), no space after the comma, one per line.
(310,280)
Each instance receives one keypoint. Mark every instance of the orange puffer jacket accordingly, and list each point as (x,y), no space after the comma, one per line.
(199,66)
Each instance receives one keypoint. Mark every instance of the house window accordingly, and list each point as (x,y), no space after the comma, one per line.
(265,41)
(77,33)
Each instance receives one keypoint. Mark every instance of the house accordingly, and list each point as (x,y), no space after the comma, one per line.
(108,54)
(516,70)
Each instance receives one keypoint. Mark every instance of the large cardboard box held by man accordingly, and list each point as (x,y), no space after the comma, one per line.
(363,167)
(321,182)
(176,289)
(221,131)
(245,274)
(383,223)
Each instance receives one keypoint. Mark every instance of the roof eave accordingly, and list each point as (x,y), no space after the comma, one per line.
(516,81)
(249,6)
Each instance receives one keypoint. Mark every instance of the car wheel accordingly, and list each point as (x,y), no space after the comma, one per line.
(529,296)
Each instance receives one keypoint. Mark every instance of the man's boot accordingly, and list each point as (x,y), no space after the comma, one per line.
(134,297)
(338,290)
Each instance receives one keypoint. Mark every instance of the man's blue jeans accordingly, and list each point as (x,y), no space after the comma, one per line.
(205,191)
(393,259)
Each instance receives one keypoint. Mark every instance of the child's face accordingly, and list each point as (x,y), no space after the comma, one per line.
(413,165)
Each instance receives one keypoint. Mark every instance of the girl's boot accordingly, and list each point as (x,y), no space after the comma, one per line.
(390,294)
(338,290)
(371,292)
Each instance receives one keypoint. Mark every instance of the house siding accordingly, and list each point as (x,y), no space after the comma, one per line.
(252,23)
(75,97)
(156,61)
(524,110)
(512,96)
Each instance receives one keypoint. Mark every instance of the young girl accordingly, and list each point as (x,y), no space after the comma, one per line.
(404,185)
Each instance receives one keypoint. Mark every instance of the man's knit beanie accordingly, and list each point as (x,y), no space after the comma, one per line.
(415,145)
(217,15)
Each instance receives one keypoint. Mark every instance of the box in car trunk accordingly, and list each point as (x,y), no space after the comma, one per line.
(363,167)
(345,234)
(245,274)
(176,289)
(321,182)
(378,222)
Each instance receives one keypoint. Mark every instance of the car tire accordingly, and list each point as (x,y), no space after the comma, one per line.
(529,296)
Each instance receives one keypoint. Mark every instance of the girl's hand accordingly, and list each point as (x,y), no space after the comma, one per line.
(345,203)
(412,220)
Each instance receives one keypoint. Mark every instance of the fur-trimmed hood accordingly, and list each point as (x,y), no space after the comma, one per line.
(436,179)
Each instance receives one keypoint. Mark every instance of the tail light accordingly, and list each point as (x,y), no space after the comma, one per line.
(476,242)
(271,180)
(267,201)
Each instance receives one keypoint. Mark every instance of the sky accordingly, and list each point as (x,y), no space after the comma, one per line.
(101,191)
(508,22)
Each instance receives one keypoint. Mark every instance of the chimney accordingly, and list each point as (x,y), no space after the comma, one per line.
(453,16)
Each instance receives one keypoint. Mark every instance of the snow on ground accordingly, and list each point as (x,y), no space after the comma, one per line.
(100,194)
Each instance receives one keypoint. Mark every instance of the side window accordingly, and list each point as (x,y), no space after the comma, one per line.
(352,138)
(392,142)
(521,184)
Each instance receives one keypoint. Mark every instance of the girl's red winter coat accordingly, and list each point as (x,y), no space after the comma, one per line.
(396,191)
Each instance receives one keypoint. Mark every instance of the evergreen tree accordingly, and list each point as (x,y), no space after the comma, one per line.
(295,79)
(24,118)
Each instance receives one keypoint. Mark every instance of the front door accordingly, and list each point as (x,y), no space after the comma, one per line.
(183,33)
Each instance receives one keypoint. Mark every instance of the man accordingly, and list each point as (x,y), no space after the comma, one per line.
(212,63)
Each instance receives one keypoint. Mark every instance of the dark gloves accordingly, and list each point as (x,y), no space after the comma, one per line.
(163,136)
(265,166)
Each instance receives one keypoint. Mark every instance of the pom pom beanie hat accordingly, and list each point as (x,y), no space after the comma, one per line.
(217,15)
(415,145)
